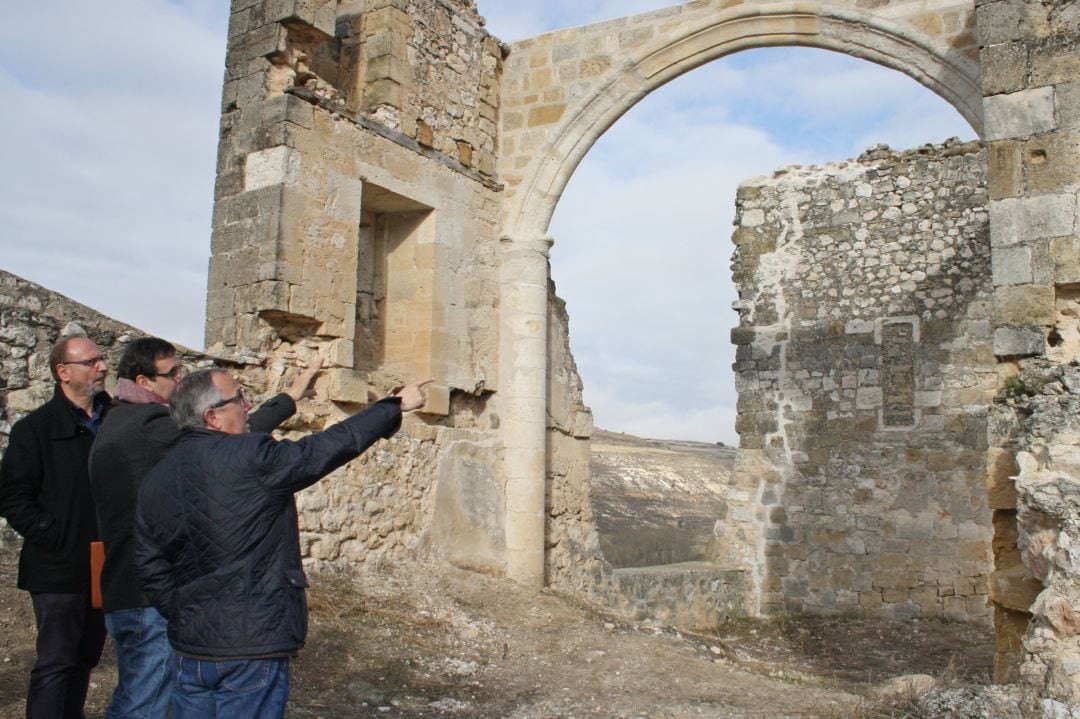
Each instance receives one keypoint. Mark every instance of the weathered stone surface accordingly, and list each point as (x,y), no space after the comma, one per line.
(1020,114)
(870,297)
(1019,342)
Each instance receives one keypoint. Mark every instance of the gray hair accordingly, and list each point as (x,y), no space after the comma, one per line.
(194,394)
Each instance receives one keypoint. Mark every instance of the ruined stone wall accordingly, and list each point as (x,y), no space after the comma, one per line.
(355,220)
(429,69)
(32,320)
(1035,584)
(573,560)
(865,372)
(1029,59)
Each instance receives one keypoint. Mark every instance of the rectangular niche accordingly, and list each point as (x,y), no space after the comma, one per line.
(395,285)
(898,337)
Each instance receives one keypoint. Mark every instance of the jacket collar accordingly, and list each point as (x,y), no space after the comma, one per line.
(63,423)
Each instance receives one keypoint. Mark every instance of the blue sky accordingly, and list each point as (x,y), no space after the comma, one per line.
(111,114)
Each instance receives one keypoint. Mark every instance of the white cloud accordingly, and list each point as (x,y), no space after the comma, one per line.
(116,151)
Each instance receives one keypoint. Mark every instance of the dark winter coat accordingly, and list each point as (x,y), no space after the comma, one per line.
(45,497)
(217,544)
(130,442)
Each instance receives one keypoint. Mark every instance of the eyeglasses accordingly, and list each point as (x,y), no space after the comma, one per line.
(238,398)
(87,362)
(174,373)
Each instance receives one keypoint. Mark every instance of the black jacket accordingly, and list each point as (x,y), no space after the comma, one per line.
(130,442)
(45,497)
(217,546)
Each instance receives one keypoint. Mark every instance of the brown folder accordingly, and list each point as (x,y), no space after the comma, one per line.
(97,561)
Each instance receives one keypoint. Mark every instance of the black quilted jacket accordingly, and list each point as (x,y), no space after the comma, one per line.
(132,439)
(216,540)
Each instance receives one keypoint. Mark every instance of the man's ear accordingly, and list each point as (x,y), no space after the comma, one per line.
(63,374)
(144,382)
(210,419)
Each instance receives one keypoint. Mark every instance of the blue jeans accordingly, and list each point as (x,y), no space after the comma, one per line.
(233,689)
(143,664)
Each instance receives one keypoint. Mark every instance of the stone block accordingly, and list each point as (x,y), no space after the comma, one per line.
(1050,163)
(345,385)
(275,166)
(1055,60)
(1012,265)
(546,115)
(1004,68)
(1019,341)
(258,43)
(27,400)
(1019,114)
(340,353)
(1014,588)
(378,92)
(998,22)
(1022,220)
(265,295)
(1068,105)
(388,67)
(1024,305)
(1065,252)
(1005,169)
(315,16)
(286,108)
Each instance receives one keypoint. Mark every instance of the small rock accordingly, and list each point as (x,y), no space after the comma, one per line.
(361,691)
(908,686)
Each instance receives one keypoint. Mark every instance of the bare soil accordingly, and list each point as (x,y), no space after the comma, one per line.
(434,641)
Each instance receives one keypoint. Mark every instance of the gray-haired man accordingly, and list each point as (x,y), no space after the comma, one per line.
(217,544)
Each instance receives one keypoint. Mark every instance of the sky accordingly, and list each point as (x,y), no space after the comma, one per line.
(111,116)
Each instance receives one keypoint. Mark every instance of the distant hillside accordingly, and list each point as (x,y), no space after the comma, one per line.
(656,501)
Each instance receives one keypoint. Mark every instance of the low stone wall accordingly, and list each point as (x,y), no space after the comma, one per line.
(693,595)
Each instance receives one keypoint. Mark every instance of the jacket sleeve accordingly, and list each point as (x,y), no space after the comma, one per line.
(271,413)
(286,467)
(21,477)
(153,570)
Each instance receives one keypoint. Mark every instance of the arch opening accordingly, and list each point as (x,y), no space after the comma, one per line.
(775,529)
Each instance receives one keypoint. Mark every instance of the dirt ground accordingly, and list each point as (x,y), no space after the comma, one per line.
(433,641)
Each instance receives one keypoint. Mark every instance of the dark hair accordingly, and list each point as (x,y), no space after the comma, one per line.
(139,357)
(194,394)
(58,354)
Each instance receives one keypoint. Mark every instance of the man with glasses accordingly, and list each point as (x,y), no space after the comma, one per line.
(136,435)
(45,496)
(217,544)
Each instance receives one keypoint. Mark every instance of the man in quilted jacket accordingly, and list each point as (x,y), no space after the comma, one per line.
(137,433)
(217,544)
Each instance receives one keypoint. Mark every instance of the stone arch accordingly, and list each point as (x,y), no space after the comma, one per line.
(948,71)
(550,121)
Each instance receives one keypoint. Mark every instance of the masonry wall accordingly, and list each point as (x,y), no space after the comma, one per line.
(355,220)
(865,371)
